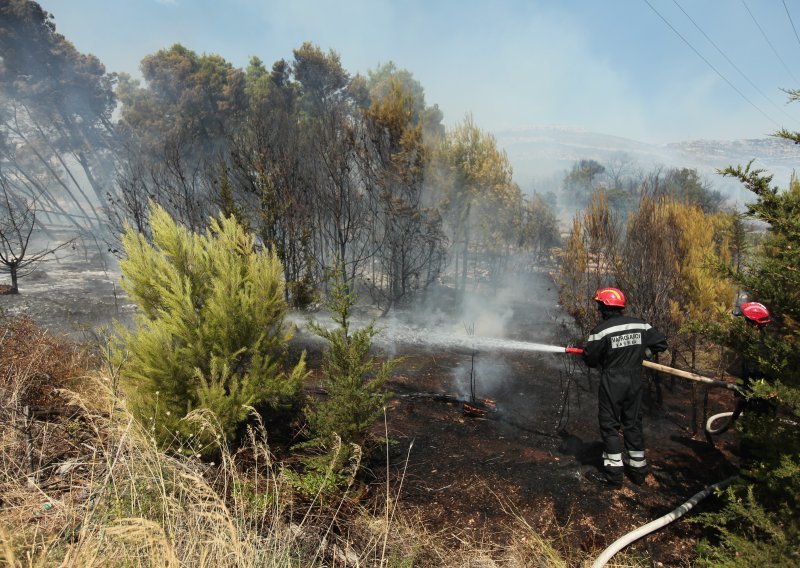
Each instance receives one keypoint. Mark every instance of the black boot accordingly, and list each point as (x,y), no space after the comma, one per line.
(604,479)
(637,475)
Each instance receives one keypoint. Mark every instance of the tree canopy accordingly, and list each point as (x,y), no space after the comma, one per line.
(57,137)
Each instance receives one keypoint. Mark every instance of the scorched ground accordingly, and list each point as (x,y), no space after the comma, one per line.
(466,474)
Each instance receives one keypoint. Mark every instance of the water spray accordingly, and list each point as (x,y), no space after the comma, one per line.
(427,337)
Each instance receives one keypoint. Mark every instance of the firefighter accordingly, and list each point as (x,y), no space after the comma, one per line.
(758,318)
(618,345)
(756,314)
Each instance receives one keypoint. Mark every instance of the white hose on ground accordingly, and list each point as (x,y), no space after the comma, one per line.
(725,425)
(625,540)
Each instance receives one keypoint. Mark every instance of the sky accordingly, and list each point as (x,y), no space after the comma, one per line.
(655,71)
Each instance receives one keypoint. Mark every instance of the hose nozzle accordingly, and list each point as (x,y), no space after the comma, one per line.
(574,350)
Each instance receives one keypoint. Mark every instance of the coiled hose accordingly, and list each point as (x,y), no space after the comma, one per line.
(625,540)
(727,424)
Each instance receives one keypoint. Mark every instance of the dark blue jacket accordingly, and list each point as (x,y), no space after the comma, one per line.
(617,344)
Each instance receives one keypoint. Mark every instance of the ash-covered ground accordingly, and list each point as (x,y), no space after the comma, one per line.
(77,295)
(528,459)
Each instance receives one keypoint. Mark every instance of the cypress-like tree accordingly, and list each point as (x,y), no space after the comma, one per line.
(760,523)
(209,332)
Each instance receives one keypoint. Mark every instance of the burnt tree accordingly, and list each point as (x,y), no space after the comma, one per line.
(410,238)
(17,223)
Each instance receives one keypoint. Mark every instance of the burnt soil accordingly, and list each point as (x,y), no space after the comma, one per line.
(528,459)
(475,477)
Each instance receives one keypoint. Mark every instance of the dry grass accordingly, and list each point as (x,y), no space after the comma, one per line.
(83,484)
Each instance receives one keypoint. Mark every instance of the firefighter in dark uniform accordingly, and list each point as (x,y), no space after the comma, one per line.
(758,318)
(756,315)
(618,345)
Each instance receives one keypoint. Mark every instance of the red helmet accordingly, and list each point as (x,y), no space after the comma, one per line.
(756,313)
(610,297)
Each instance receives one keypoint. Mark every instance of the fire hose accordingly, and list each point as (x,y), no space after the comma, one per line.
(636,534)
(690,376)
(671,371)
(652,526)
(731,416)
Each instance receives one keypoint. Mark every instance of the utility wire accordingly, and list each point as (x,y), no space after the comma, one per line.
(707,62)
(775,51)
(728,59)
(785,7)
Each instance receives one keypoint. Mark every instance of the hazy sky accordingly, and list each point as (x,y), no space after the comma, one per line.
(609,66)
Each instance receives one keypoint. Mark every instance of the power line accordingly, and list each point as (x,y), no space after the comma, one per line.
(728,59)
(785,7)
(707,62)
(775,51)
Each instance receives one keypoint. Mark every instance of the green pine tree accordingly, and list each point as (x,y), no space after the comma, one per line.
(353,380)
(760,523)
(209,332)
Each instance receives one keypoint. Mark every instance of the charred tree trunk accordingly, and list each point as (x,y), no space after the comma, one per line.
(465,261)
(14,284)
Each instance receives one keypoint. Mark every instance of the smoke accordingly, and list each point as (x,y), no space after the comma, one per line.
(488,316)
(479,327)
(489,372)
(55,148)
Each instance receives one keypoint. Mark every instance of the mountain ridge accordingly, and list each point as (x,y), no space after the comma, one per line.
(541,152)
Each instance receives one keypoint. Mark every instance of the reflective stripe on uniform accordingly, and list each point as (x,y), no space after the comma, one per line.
(636,459)
(612,460)
(615,328)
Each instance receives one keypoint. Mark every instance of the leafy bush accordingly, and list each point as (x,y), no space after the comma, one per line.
(210,330)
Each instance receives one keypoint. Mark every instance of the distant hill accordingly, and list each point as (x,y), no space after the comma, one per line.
(540,153)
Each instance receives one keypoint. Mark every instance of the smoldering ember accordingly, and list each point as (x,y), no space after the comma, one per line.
(282,315)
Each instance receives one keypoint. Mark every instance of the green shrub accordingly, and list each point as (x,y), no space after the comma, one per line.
(209,332)
(327,472)
(353,381)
